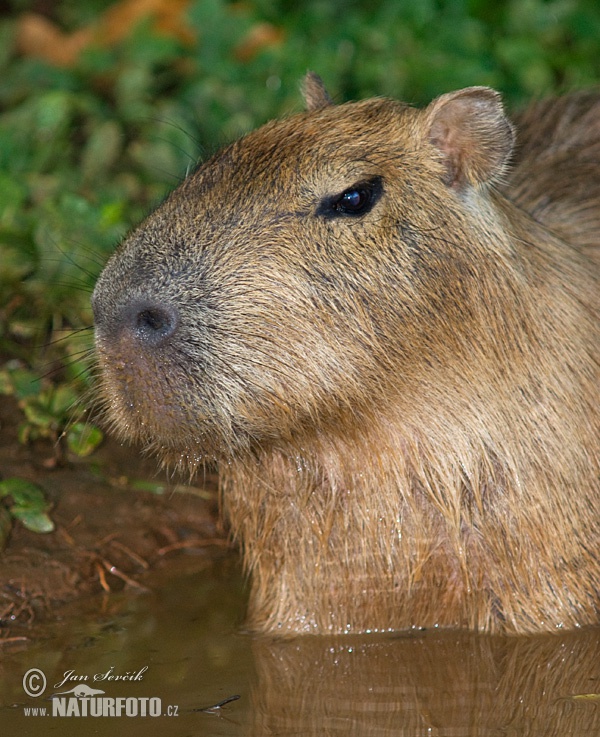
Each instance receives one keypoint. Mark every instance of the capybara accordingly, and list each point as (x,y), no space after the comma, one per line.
(382,324)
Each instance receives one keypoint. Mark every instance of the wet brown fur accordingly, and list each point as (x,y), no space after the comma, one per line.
(403,405)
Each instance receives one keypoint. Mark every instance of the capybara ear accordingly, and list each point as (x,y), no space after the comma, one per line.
(314,92)
(473,134)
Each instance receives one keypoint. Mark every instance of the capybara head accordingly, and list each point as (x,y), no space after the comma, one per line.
(299,276)
(393,364)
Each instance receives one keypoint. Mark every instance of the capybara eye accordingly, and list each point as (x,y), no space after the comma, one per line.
(356,200)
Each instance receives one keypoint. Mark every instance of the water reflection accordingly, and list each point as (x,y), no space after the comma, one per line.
(435,684)
(442,684)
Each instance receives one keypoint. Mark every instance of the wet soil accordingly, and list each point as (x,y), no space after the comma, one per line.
(117,518)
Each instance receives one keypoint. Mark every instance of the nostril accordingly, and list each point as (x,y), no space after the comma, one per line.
(142,320)
(153,323)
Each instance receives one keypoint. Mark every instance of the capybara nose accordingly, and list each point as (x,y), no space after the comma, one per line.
(147,321)
(150,322)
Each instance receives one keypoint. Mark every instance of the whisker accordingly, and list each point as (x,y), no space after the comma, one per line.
(176,126)
(70,332)
(69,258)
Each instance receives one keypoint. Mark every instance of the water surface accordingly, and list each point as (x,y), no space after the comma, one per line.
(188,634)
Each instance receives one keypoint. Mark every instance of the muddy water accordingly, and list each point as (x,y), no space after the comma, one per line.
(187,636)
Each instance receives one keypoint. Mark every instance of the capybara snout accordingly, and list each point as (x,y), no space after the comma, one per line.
(354,312)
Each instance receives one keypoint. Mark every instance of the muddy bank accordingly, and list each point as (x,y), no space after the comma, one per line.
(117,518)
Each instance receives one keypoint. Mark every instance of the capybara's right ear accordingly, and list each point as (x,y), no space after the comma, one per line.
(472,133)
(314,92)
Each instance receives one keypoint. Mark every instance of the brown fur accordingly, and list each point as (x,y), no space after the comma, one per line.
(403,403)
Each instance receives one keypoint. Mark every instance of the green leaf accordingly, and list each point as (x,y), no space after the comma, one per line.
(62,400)
(28,504)
(33,520)
(24,493)
(24,383)
(83,438)
(25,433)
(37,413)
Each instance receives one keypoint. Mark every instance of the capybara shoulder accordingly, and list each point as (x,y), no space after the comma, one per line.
(382,324)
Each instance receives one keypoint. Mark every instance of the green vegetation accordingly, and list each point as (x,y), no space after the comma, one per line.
(26,504)
(88,147)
